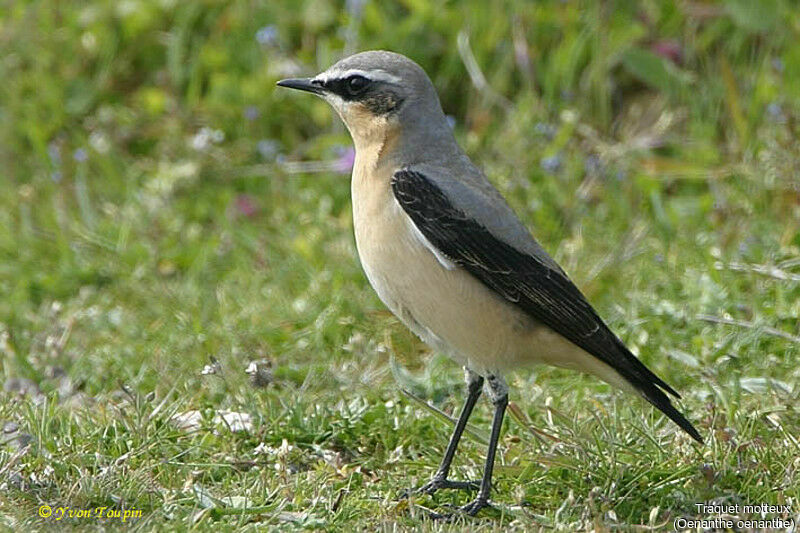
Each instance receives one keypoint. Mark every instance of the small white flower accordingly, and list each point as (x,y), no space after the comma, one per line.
(99,141)
(214,367)
(204,138)
(234,420)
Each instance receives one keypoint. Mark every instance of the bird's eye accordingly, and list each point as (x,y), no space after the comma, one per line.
(356,84)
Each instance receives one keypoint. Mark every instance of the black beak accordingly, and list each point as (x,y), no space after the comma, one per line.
(302,84)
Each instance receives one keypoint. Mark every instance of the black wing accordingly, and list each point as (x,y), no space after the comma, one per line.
(543,293)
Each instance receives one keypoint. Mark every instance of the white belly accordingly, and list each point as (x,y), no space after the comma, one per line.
(447,307)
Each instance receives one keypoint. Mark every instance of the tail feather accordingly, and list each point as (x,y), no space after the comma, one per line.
(650,385)
(656,396)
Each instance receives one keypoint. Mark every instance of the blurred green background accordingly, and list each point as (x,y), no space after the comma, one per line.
(169,219)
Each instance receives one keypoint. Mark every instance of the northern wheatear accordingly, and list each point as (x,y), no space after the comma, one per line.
(448,256)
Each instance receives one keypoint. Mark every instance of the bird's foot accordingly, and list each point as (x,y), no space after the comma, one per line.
(471,509)
(474,506)
(441,483)
(437,483)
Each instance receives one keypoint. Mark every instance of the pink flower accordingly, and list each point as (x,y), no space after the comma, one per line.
(344,163)
(668,49)
(246,205)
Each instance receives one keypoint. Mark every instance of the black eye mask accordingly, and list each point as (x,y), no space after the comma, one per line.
(356,85)
(378,97)
(349,88)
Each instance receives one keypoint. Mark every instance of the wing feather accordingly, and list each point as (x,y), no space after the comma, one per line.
(544,293)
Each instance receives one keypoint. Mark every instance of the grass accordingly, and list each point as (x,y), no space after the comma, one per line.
(167,218)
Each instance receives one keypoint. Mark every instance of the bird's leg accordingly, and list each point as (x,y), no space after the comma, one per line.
(498,390)
(439,480)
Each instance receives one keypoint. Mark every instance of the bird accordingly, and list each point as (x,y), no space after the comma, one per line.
(448,256)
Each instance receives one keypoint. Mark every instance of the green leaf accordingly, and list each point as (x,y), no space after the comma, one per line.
(204,498)
(756,17)
(653,70)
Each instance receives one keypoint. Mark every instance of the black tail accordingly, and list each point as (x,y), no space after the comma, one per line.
(647,383)
(656,396)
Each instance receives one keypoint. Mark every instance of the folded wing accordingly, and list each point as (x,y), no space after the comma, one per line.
(529,282)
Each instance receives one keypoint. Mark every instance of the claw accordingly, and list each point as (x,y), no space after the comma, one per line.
(470,509)
(474,506)
(437,483)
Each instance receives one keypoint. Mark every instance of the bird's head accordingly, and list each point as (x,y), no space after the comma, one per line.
(377,94)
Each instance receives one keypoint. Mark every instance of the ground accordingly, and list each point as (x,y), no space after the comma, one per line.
(168,220)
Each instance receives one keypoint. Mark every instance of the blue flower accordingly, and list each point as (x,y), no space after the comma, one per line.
(552,164)
(776,114)
(355,7)
(548,130)
(593,165)
(267,35)
(80,155)
(268,149)
(251,113)
(54,153)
